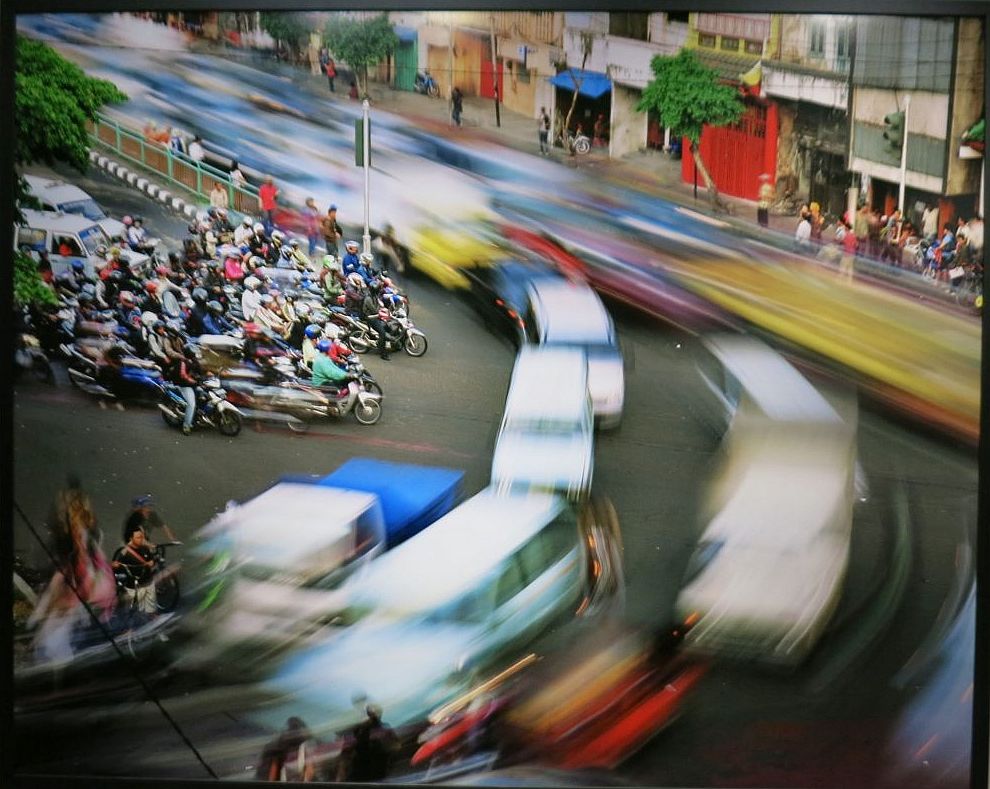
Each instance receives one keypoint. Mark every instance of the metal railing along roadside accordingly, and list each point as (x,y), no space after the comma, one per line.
(176,168)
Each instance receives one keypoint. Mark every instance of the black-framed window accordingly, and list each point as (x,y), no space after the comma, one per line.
(729,43)
(629,24)
(816,40)
(706,40)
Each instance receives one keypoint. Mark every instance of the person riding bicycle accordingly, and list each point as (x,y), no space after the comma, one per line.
(134,566)
(325,371)
(144,517)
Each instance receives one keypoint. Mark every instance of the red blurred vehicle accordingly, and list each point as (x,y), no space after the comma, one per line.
(589,708)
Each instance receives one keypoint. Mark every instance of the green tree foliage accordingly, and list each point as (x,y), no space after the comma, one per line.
(53,100)
(688,96)
(361,43)
(29,287)
(288,28)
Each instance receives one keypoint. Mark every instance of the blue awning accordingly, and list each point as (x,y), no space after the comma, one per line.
(405,33)
(592,83)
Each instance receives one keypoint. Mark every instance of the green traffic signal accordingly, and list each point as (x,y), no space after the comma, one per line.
(894,130)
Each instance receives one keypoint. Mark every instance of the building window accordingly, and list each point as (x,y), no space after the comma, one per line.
(754,47)
(816,45)
(731,44)
(706,40)
(522,74)
(633,24)
(678,16)
(842,46)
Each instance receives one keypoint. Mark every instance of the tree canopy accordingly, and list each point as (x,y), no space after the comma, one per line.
(289,28)
(53,100)
(361,43)
(688,95)
(29,287)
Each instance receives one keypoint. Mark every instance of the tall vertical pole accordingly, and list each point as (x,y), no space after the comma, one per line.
(366,106)
(900,194)
(491,22)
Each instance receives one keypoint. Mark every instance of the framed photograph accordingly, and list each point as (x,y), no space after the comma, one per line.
(547,397)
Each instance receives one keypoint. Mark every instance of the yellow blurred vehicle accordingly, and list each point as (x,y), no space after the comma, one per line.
(919,357)
(440,250)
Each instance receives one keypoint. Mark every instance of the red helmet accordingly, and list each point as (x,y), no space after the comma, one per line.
(162,271)
(151,287)
(342,299)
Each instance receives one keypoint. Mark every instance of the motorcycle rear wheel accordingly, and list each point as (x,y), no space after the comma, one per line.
(582,145)
(372,387)
(368,413)
(171,418)
(229,423)
(359,342)
(415,344)
(167,594)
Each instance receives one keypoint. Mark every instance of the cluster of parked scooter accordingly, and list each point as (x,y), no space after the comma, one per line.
(250,317)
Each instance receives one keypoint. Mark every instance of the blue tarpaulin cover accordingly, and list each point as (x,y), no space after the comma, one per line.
(405,33)
(412,496)
(593,83)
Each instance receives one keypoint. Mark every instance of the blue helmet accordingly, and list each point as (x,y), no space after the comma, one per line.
(78,265)
(324,345)
(312,331)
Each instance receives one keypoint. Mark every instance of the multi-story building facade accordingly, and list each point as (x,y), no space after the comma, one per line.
(933,68)
(735,46)
(808,80)
(615,49)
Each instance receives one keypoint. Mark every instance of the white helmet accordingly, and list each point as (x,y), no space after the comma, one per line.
(331,331)
(356,280)
(202,216)
(278,235)
(247,221)
(148,319)
(351,245)
(259,228)
(252,282)
(367,257)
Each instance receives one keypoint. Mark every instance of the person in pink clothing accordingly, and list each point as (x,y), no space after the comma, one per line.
(849,246)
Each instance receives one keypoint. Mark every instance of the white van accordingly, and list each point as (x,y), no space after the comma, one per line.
(54,194)
(281,559)
(768,571)
(546,440)
(65,237)
(68,237)
(428,615)
(568,314)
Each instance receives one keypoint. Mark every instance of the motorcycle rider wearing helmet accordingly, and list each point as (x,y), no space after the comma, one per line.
(310,337)
(285,259)
(250,298)
(258,346)
(215,322)
(244,231)
(331,278)
(221,227)
(258,241)
(274,253)
(183,371)
(362,304)
(267,316)
(325,372)
(157,341)
(352,263)
(194,321)
(299,258)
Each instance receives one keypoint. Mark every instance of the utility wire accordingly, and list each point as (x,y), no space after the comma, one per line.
(130,662)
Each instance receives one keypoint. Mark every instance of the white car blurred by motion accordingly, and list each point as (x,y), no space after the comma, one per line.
(768,571)
(547,436)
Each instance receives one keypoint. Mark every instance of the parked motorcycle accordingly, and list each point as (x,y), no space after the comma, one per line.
(425,84)
(212,408)
(400,334)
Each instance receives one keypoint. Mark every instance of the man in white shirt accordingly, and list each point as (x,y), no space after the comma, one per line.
(802,237)
(196,152)
(244,231)
(929,222)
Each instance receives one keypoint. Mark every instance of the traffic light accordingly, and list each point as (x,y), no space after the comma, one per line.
(894,130)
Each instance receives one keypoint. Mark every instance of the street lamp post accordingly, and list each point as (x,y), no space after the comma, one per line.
(366,107)
(907,113)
